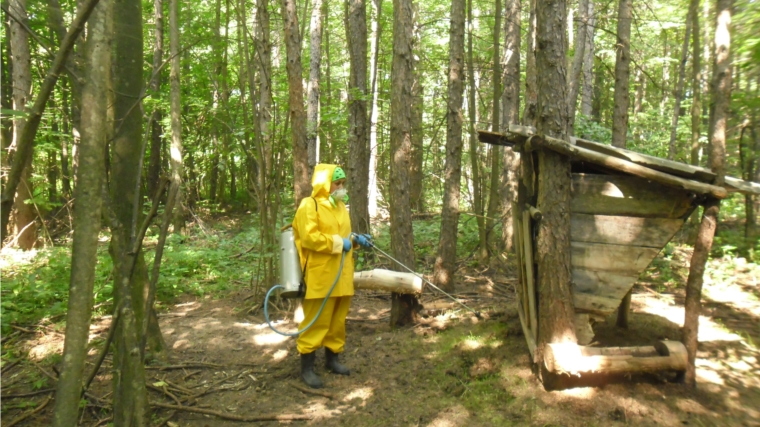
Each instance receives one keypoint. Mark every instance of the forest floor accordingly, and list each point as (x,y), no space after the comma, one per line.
(451,369)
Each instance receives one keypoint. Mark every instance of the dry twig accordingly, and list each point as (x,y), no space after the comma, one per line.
(254,418)
(30,394)
(310,391)
(30,413)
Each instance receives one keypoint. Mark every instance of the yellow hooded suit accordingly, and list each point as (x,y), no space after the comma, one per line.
(319,229)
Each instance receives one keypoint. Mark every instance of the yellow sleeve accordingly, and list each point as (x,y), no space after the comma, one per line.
(312,238)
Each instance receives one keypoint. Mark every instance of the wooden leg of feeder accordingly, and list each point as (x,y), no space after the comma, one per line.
(623,310)
(693,302)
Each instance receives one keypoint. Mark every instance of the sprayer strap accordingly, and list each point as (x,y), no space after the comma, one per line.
(303,271)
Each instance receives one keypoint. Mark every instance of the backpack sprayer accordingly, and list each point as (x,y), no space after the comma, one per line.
(291,277)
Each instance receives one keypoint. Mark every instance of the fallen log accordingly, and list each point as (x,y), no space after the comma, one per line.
(573,359)
(389,281)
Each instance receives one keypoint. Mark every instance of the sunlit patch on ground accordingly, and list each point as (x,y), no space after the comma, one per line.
(363,394)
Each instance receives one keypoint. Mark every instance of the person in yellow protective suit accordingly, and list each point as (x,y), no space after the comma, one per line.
(322,232)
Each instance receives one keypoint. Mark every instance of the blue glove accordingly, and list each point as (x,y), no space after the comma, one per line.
(363,240)
(346,245)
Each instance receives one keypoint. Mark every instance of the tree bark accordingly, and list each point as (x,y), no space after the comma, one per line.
(312,89)
(25,145)
(721,97)
(555,303)
(87,216)
(24,227)
(175,108)
(301,181)
(529,114)
(443,274)
(679,87)
(510,100)
(416,172)
(588,61)
(404,308)
(622,74)
(358,151)
(6,92)
(130,395)
(696,84)
(574,77)
(477,196)
(497,152)
(374,194)
(156,130)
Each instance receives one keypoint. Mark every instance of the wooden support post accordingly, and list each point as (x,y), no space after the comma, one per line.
(623,310)
(528,260)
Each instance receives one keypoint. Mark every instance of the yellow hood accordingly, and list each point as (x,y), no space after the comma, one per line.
(321,180)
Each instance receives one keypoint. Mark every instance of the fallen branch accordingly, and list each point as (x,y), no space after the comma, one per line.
(30,394)
(310,391)
(254,418)
(19,328)
(30,413)
(189,365)
(166,420)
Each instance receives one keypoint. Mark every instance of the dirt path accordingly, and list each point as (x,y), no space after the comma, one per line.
(451,370)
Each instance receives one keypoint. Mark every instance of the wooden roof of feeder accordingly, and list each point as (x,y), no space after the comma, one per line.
(622,214)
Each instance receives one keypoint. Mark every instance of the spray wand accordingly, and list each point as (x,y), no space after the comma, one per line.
(373,246)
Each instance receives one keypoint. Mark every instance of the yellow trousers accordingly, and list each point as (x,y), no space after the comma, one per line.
(329,330)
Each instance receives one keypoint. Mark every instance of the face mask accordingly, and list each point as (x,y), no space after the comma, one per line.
(339,194)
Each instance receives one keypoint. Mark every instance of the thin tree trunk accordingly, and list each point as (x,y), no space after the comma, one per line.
(156,130)
(374,194)
(443,274)
(574,77)
(358,150)
(665,71)
(679,86)
(510,114)
(65,174)
(6,92)
(555,303)
(130,394)
(696,88)
(529,114)
(494,201)
(175,109)
(87,220)
(416,172)
(622,73)
(477,195)
(24,227)
(327,100)
(721,97)
(404,308)
(312,89)
(301,181)
(588,61)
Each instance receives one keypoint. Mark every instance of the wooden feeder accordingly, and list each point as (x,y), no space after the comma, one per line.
(625,207)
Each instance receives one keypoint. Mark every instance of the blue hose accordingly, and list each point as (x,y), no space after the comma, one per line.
(292,334)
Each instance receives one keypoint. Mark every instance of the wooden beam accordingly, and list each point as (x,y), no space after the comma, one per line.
(570,358)
(526,331)
(623,230)
(528,257)
(567,149)
(494,138)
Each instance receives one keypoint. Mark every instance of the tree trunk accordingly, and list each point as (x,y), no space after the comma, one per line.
(721,97)
(416,172)
(696,88)
(679,87)
(497,152)
(87,216)
(622,73)
(529,115)
(665,71)
(156,130)
(477,196)
(574,77)
(312,103)
(443,275)
(374,194)
(301,181)
(24,228)
(404,307)
(6,92)
(175,109)
(358,152)
(588,61)
(130,395)
(510,100)
(555,303)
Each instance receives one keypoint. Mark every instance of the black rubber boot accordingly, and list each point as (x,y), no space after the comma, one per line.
(332,363)
(307,370)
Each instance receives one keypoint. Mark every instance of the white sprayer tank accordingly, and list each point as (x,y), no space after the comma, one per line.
(290,265)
